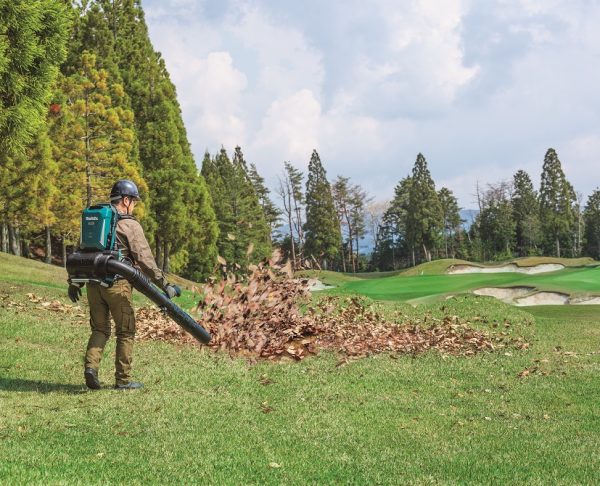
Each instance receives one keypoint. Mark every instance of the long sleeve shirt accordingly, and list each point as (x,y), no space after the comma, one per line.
(133,244)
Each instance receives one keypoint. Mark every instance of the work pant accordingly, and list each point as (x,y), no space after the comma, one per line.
(116,301)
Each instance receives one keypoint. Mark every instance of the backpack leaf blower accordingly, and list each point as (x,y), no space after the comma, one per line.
(98,261)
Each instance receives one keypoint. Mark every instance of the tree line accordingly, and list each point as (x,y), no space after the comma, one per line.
(86,100)
(513,220)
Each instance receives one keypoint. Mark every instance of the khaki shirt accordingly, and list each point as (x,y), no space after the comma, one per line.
(133,245)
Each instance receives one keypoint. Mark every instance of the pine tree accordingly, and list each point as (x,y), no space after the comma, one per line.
(425,212)
(250,217)
(181,219)
(270,211)
(100,139)
(592,225)
(556,203)
(33,36)
(322,231)
(243,231)
(526,214)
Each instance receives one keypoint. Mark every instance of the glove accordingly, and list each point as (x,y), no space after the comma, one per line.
(172,291)
(74,292)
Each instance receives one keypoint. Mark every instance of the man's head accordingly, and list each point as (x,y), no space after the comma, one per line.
(124,195)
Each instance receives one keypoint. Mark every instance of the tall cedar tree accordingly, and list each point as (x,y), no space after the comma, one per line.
(556,204)
(592,225)
(181,218)
(244,234)
(33,36)
(450,221)
(94,142)
(270,211)
(425,212)
(322,231)
(526,214)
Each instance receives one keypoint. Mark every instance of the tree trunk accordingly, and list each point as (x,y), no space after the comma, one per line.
(446,243)
(159,256)
(356,246)
(414,262)
(292,240)
(48,251)
(166,256)
(13,236)
(25,248)
(4,237)
(427,253)
(557,247)
(64,252)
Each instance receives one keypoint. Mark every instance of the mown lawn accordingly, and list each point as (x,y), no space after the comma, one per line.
(575,281)
(204,418)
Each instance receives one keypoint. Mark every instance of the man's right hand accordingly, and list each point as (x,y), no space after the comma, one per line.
(172,291)
(74,292)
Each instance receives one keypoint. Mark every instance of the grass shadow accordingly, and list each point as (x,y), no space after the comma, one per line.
(22,385)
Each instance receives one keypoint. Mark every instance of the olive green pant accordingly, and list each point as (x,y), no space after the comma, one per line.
(115,301)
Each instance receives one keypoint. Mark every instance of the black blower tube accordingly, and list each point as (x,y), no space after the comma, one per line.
(103,264)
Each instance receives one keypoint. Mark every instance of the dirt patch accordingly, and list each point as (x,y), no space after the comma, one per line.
(507,295)
(511,267)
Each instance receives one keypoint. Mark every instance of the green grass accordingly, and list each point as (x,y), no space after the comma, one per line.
(425,288)
(201,417)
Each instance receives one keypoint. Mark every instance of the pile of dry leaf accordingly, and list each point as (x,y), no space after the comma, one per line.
(262,317)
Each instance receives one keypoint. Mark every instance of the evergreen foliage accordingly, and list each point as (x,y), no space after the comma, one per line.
(244,235)
(33,36)
(592,225)
(556,204)
(322,231)
(495,223)
(425,218)
(526,215)
(99,141)
(270,210)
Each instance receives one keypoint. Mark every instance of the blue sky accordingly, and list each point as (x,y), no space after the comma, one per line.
(481,88)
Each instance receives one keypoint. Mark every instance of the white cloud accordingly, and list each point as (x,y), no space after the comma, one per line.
(290,128)
(481,89)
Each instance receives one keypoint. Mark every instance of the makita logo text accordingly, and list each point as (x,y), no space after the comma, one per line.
(91,218)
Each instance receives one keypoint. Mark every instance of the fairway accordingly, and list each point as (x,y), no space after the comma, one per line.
(516,416)
(426,288)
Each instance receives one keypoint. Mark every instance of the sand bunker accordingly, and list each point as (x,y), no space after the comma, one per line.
(543,298)
(525,296)
(315,285)
(504,294)
(585,301)
(511,267)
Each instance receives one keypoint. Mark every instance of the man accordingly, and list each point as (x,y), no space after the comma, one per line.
(116,299)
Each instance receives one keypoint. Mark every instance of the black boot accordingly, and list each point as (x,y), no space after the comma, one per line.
(132,385)
(91,379)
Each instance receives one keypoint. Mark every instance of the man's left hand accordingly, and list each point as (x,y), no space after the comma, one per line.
(172,291)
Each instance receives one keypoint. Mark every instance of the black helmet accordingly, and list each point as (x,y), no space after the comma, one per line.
(124,188)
